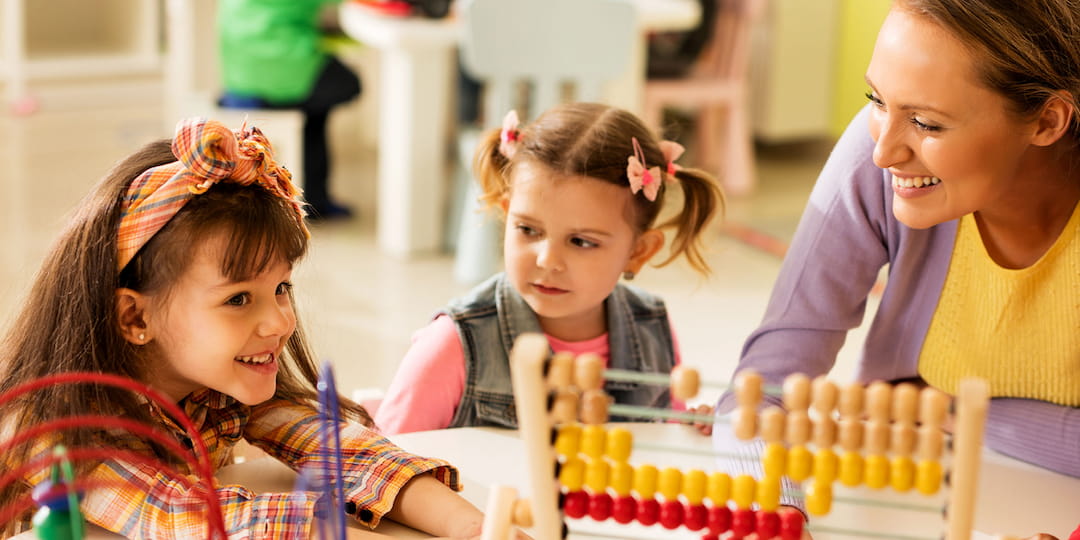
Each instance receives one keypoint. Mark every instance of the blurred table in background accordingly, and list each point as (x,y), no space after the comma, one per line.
(417,70)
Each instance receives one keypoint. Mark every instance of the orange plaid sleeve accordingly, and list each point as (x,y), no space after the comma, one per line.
(375,469)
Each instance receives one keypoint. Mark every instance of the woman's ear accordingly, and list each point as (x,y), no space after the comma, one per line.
(647,245)
(1054,120)
(131,316)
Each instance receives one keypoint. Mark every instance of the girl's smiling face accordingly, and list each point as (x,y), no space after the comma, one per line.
(952,145)
(211,332)
(567,241)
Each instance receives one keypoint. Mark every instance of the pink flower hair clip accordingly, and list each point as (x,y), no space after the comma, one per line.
(671,151)
(643,179)
(509,137)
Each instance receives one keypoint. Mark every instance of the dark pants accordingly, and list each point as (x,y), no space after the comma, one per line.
(336,84)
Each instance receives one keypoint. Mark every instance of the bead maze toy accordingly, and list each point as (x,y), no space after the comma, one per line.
(58,515)
(890,439)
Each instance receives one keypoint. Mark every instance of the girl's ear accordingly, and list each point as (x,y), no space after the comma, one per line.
(131,315)
(1054,120)
(647,245)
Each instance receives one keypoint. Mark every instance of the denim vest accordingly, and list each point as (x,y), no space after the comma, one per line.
(490,317)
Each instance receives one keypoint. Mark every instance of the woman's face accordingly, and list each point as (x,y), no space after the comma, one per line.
(952,145)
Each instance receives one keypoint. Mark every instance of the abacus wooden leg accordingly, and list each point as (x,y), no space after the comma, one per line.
(526,367)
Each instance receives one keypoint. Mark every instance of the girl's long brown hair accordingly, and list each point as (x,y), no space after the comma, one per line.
(68,321)
(594,141)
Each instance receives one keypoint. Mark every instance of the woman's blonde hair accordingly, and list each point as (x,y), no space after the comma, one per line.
(1026,50)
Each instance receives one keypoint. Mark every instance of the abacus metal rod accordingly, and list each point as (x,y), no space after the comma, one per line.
(662,379)
(663,414)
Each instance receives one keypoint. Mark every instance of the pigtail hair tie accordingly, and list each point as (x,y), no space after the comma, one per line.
(509,136)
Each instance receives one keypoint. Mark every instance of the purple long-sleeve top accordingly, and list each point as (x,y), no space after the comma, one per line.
(846,235)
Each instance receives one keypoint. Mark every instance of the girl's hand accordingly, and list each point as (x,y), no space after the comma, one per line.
(705,428)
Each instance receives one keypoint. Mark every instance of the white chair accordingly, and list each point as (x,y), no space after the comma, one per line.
(717,90)
(192,84)
(553,46)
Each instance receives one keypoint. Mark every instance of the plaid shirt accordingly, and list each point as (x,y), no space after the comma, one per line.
(151,504)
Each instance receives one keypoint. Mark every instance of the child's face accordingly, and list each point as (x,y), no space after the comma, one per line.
(567,242)
(216,333)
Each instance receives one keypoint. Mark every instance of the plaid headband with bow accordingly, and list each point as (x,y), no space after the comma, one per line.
(207,153)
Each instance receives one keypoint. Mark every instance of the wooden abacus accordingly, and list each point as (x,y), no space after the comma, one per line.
(889,437)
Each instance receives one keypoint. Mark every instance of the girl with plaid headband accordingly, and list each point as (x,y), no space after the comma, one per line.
(580,189)
(176,272)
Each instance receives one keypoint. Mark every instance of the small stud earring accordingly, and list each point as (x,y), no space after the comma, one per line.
(628,275)
(142,337)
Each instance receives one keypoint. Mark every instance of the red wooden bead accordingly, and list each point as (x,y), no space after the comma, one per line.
(576,504)
(791,524)
(648,512)
(624,509)
(696,517)
(671,514)
(600,506)
(743,522)
(719,519)
(768,525)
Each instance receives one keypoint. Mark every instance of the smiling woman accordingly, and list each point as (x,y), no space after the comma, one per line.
(963,176)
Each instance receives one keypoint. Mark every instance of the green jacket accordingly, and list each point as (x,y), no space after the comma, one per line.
(271,48)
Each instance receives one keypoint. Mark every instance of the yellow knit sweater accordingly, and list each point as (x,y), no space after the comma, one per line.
(1018,329)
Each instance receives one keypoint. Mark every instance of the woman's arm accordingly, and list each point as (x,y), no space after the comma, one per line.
(1037,432)
(429,382)
(833,261)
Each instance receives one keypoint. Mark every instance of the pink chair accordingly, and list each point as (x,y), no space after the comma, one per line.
(717,90)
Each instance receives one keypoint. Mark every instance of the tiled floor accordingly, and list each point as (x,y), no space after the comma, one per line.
(360,306)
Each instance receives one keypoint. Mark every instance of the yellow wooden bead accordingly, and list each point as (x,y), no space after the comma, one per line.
(568,441)
(851,469)
(800,463)
(645,478)
(775,459)
(670,483)
(620,443)
(622,478)
(694,485)
(928,476)
(819,498)
(743,491)
(572,474)
(877,471)
(902,473)
(592,440)
(768,493)
(596,475)
(826,465)
(719,490)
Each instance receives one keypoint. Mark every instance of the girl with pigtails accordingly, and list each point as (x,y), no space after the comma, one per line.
(580,190)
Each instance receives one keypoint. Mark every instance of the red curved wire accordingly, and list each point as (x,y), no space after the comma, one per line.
(205,467)
(77,454)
